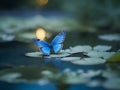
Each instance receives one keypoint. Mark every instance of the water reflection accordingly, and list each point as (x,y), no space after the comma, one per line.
(50,86)
(55,61)
(26,86)
(61,65)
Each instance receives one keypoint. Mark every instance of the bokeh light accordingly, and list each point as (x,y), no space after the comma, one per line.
(41,2)
(40,33)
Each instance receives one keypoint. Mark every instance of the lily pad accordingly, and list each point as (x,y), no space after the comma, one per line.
(113,84)
(70,58)
(110,37)
(6,37)
(43,81)
(47,74)
(102,48)
(97,54)
(40,54)
(109,74)
(94,83)
(34,54)
(118,50)
(91,73)
(10,77)
(62,53)
(79,76)
(43,75)
(32,74)
(89,61)
(72,77)
(114,59)
(77,49)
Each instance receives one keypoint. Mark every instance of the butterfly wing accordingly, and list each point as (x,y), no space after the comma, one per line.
(57,42)
(43,46)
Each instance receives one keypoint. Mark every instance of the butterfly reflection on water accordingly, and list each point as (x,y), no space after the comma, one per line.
(56,45)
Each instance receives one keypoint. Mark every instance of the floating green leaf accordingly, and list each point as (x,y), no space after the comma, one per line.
(34,54)
(94,83)
(114,59)
(110,37)
(91,73)
(89,61)
(97,54)
(77,49)
(40,54)
(47,74)
(6,37)
(113,84)
(43,75)
(10,77)
(72,77)
(102,48)
(110,74)
(70,58)
(27,74)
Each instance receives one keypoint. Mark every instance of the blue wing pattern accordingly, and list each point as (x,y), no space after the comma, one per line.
(57,42)
(43,46)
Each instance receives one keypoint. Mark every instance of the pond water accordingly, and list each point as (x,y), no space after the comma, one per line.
(12,55)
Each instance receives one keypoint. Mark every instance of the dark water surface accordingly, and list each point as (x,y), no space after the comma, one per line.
(12,55)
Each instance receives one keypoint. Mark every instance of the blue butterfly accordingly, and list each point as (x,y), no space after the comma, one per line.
(56,45)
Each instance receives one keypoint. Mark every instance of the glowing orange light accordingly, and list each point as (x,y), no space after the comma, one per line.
(40,34)
(42,2)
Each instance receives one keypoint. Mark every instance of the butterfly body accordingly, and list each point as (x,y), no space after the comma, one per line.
(56,45)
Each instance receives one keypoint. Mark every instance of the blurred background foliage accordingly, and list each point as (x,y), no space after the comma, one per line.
(84,15)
